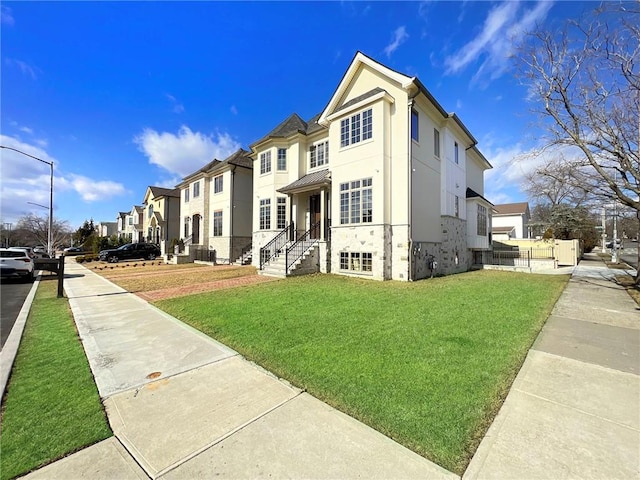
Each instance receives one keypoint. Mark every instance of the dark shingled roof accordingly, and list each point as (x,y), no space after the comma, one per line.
(239,158)
(204,169)
(164,192)
(359,98)
(473,194)
(313,125)
(320,177)
(511,208)
(292,124)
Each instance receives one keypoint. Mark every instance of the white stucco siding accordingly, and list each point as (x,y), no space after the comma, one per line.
(516,221)
(474,176)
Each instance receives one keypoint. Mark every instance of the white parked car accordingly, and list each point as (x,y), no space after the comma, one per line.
(16,263)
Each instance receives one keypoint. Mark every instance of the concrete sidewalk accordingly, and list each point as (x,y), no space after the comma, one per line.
(574,408)
(182,405)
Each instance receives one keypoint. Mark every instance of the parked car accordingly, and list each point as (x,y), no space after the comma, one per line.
(73,251)
(611,244)
(148,251)
(16,263)
(29,250)
(40,252)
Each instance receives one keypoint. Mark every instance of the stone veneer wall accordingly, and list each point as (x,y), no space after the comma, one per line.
(369,238)
(454,244)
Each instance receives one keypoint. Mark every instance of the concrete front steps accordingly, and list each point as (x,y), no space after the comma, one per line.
(305,265)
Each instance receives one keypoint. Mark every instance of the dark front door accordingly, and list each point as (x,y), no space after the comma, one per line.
(195,233)
(314,213)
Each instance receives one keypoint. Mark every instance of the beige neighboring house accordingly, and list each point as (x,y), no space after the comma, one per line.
(161,219)
(511,220)
(133,230)
(380,184)
(121,221)
(216,206)
(106,229)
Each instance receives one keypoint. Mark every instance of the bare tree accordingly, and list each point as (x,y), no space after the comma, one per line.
(586,80)
(556,182)
(38,228)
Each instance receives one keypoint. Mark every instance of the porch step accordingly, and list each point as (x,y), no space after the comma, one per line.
(277,267)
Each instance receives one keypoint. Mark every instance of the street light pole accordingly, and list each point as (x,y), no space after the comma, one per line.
(49,244)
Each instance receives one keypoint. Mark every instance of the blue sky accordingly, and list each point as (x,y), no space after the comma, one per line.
(123,95)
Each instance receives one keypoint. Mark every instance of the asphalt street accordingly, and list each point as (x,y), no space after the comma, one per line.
(12,296)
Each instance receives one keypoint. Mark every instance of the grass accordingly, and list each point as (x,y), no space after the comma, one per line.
(427,363)
(137,279)
(51,406)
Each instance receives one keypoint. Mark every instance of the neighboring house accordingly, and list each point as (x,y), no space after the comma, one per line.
(381,183)
(106,229)
(216,206)
(121,221)
(161,219)
(511,220)
(134,232)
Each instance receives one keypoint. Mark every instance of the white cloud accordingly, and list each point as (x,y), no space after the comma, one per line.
(495,43)
(176,106)
(234,110)
(399,37)
(6,16)
(24,67)
(184,152)
(91,190)
(26,130)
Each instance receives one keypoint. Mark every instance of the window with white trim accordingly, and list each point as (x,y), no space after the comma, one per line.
(436,142)
(281,212)
(455,153)
(265,162)
(217,223)
(265,214)
(196,189)
(281,164)
(356,202)
(186,195)
(356,261)
(356,128)
(150,211)
(319,154)
(218,184)
(482,221)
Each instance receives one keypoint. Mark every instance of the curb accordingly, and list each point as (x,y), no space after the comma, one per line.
(10,349)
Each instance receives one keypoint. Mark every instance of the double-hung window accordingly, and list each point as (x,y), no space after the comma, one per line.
(265,214)
(196,189)
(282,159)
(186,195)
(265,162)
(217,223)
(217,184)
(319,155)
(356,202)
(281,213)
(356,128)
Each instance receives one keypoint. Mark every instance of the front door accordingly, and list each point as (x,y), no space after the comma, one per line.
(314,215)
(195,233)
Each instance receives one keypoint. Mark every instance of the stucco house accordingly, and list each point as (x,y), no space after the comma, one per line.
(106,229)
(133,230)
(161,219)
(121,222)
(511,220)
(216,207)
(382,183)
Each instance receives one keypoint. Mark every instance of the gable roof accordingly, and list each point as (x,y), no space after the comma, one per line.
(520,208)
(200,171)
(240,158)
(164,192)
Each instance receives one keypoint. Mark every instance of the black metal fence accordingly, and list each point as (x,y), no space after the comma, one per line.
(205,255)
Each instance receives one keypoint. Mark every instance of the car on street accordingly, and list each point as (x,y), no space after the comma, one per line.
(614,244)
(129,251)
(16,263)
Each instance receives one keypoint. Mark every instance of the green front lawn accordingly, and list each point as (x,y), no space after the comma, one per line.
(426,363)
(51,406)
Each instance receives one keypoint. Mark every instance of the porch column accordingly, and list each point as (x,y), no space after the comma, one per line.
(323,214)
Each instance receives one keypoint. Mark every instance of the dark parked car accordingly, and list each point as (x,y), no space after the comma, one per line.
(130,251)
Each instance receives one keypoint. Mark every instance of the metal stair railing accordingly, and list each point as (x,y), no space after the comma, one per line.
(302,245)
(274,247)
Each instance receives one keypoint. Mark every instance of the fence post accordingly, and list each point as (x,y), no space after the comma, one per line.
(60,276)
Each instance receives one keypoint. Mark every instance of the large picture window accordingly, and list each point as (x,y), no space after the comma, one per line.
(265,214)
(356,128)
(265,162)
(356,201)
(217,223)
